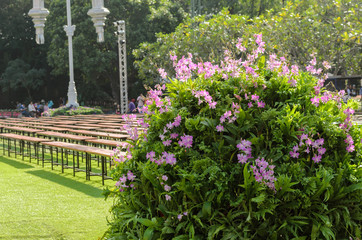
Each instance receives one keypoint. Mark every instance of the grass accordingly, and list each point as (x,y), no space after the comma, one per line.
(38,203)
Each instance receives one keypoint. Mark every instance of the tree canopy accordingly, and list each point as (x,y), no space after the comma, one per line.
(154,28)
(329,30)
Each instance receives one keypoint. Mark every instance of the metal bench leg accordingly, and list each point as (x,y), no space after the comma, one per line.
(42,154)
(51,156)
(22,149)
(15,147)
(62,161)
(9,146)
(104,167)
(29,148)
(87,171)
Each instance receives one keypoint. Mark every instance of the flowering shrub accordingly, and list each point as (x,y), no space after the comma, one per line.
(71,111)
(251,149)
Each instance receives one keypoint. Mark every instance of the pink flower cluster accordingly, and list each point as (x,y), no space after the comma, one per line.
(275,64)
(350,143)
(162,72)
(326,97)
(208,69)
(245,147)
(264,173)
(254,98)
(308,146)
(346,126)
(131,129)
(124,180)
(230,116)
(311,67)
(162,104)
(170,126)
(179,217)
(184,68)
(167,158)
(186,141)
(207,98)
(166,187)
(230,65)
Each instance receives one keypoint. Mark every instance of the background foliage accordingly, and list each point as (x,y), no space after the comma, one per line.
(332,29)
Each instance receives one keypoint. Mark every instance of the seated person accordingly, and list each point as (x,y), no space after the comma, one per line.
(131,106)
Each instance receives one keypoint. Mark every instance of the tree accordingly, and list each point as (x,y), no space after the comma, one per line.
(19,74)
(330,30)
(17,43)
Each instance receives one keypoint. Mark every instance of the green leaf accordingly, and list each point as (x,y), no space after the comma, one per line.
(146,222)
(259,198)
(206,209)
(148,234)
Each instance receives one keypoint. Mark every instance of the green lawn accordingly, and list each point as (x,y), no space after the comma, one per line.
(38,203)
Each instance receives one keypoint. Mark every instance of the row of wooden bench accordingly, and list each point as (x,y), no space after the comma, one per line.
(63,148)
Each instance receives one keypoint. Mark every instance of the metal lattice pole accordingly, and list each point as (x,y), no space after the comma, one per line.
(195,8)
(121,33)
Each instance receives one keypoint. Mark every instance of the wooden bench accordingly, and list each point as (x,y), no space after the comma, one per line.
(101,134)
(105,142)
(22,130)
(65,136)
(22,139)
(103,153)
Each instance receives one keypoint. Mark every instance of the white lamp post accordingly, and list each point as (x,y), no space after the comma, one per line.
(98,14)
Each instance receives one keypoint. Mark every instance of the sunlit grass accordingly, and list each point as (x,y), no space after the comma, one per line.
(38,203)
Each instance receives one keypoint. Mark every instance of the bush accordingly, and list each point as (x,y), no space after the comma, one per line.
(251,149)
(70,111)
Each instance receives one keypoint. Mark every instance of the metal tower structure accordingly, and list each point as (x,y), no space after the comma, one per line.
(123,97)
(195,8)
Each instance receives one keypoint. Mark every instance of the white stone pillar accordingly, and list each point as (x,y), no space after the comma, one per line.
(98,13)
(69,29)
(39,14)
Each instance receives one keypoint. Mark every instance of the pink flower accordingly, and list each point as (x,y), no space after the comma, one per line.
(261,104)
(315,101)
(317,158)
(173,135)
(242,158)
(177,121)
(220,128)
(167,188)
(326,65)
(167,142)
(186,141)
(250,104)
(168,197)
(294,154)
(212,105)
(162,72)
(130,176)
(254,97)
(123,179)
(321,151)
(150,155)
(350,148)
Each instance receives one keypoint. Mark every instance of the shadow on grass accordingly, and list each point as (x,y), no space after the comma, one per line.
(15,163)
(78,186)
